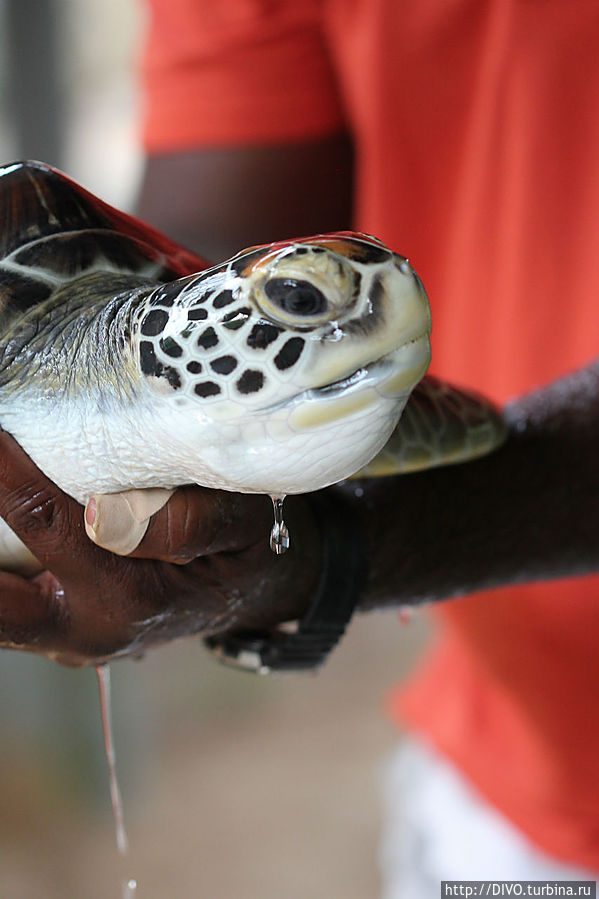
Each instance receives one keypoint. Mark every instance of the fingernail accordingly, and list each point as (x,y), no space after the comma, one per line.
(118,521)
(91,512)
(113,525)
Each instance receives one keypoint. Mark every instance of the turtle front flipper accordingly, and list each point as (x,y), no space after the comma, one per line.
(441,425)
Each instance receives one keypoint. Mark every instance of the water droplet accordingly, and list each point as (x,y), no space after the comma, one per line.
(129,885)
(358,492)
(279,536)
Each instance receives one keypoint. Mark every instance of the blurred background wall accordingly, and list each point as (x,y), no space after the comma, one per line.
(68,90)
(233,786)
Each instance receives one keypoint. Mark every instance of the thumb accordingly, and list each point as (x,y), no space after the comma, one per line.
(118,521)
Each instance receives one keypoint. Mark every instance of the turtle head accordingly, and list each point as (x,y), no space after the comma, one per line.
(295,346)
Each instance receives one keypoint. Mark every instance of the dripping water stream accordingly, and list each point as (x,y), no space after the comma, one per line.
(279,543)
(279,536)
(128,884)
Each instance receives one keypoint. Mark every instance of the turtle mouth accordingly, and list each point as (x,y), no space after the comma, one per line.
(354,380)
(369,375)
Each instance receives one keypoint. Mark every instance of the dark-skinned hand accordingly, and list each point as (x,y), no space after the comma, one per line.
(529,511)
(204,565)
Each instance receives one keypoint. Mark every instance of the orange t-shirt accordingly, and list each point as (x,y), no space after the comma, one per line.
(476,124)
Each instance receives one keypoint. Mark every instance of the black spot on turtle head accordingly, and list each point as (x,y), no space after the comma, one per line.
(196,314)
(154,322)
(171,347)
(236,318)
(289,353)
(208,338)
(172,376)
(150,365)
(224,365)
(194,367)
(223,299)
(147,358)
(251,381)
(207,388)
(262,334)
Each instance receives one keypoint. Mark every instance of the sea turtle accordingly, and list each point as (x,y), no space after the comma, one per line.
(128,362)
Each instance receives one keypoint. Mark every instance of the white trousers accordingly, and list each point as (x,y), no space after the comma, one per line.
(436,827)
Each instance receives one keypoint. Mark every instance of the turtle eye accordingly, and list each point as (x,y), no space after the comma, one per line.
(295,297)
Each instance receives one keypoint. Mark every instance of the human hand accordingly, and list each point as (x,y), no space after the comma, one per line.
(203,566)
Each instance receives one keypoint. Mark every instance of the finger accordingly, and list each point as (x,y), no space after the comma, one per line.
(49,522)
(118,521)
(197,521)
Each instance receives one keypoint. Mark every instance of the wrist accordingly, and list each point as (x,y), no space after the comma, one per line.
(320,617)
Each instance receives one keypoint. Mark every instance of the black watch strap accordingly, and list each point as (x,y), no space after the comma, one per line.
(306,645)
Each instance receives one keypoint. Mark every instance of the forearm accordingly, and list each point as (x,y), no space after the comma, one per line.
(529,511)
(218,201)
